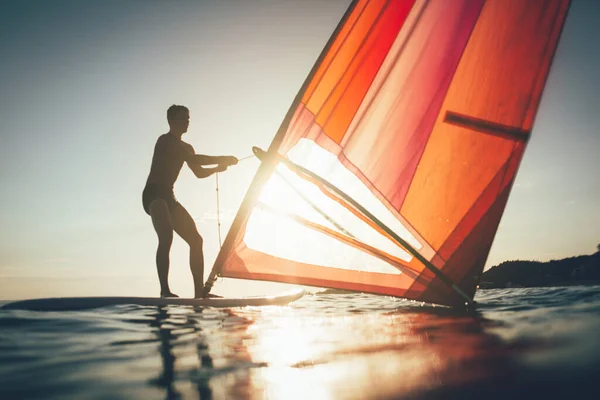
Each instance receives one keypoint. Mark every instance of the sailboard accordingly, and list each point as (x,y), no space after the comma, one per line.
(84,303)
(392,168)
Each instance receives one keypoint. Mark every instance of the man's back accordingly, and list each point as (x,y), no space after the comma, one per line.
(169,155)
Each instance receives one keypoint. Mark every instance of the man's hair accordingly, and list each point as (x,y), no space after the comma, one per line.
(174,111)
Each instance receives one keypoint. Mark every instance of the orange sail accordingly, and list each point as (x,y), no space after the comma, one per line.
(392,169)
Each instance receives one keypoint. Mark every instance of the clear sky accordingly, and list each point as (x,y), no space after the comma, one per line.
(84,90)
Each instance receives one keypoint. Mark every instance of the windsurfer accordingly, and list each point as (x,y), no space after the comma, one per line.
(168,215)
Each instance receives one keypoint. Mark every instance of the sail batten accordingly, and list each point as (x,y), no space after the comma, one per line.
(392,260)
(483,126)
(315,207)
(405,139)
(391,234)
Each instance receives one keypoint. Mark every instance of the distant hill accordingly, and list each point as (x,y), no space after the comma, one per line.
(580,270)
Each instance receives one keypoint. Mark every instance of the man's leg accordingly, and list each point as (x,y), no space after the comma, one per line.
(161,219)
(185,227)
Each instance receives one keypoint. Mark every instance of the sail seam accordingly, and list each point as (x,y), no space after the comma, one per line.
(382,198)
(388,73)
(349,240)
(502,171)
(322,184)
(314,206)
(451,74)
(318,82)
(400,241)
(360,63)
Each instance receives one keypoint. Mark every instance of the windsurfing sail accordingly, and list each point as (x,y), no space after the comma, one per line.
(393,166)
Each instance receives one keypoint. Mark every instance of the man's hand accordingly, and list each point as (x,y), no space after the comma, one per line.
(230,160)
(220,167)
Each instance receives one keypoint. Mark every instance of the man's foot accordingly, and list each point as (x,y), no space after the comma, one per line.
(168,294)
(200,293)
(208,296)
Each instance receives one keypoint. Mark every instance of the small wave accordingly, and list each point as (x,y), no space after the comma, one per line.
(320,344)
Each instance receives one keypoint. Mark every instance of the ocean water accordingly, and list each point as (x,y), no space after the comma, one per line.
(520,343)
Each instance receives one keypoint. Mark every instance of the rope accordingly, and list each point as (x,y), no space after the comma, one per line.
(218,212)
(218,202)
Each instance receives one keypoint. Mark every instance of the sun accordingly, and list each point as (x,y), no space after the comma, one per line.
(289,207)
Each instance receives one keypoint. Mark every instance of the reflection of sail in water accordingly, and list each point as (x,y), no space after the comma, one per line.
(392,168)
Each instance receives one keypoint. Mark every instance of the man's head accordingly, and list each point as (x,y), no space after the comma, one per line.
(178,118)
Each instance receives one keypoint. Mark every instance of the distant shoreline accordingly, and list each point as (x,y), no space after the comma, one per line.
(491,285)
(573,271)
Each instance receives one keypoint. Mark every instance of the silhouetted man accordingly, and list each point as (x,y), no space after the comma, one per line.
(159,201)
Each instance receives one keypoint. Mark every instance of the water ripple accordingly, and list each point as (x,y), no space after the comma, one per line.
(519,343)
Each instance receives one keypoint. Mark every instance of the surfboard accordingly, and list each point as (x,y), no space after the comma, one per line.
(83,303)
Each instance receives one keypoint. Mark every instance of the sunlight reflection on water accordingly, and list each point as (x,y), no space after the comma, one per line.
(321,347)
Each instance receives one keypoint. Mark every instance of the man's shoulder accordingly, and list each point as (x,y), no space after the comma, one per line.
(187,146)
(162,138)
(169,141)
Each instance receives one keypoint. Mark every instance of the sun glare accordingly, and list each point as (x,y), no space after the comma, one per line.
(301,364)
(271,229)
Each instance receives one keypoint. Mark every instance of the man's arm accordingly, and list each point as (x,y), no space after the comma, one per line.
(201,172)
(201,159)
(196,162)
